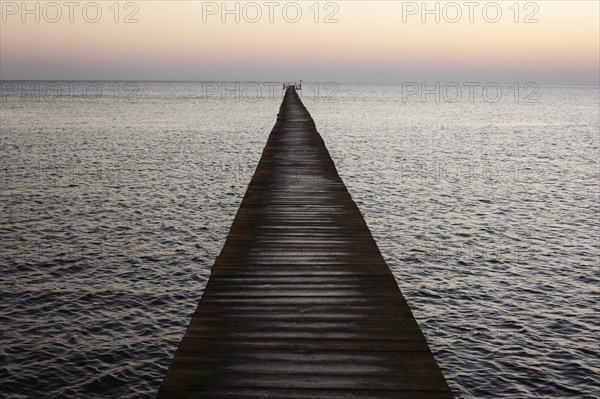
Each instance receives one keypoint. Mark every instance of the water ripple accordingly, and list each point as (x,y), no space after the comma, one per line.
(112,216)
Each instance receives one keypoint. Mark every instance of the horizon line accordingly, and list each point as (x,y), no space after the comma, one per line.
(281,81)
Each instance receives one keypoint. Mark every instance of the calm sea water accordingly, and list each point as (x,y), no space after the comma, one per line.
(117,196)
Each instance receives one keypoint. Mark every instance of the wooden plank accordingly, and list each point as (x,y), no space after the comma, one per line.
(194,392)
(204,376)
(291,345)
(300,303)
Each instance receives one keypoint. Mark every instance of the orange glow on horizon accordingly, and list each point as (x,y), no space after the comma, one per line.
(369,35)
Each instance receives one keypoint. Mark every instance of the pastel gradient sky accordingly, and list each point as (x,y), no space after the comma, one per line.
(370,43)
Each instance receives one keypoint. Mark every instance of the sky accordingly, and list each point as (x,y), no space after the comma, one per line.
(548,42)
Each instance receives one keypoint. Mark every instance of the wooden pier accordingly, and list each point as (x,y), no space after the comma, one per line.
(300,302)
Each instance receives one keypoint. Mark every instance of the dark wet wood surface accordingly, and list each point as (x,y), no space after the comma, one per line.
(300,303)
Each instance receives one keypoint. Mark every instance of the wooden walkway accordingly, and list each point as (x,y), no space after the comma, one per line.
(300,303)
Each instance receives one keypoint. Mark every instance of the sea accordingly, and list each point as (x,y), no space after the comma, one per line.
(116,198)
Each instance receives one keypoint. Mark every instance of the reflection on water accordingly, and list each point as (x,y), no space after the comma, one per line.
(114,208)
